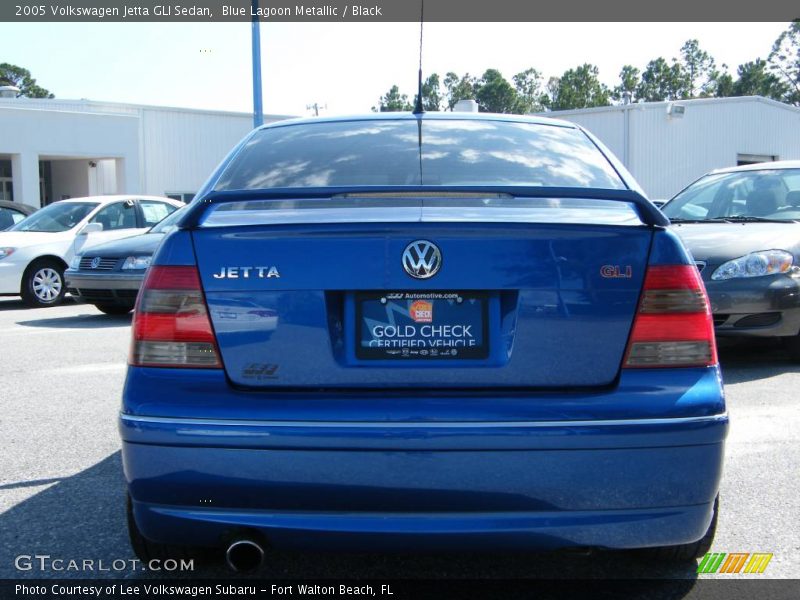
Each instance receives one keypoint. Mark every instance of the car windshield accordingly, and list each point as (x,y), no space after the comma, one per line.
(56,217)
(167,224)
(760,195)
(410,152)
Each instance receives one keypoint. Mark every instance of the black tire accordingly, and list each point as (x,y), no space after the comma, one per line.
(686,552)
(114,309)
(146,550)
(43,283)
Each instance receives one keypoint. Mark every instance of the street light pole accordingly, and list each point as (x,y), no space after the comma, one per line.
(258,108)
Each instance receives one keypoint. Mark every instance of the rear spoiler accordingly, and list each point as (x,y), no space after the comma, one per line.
(647,211)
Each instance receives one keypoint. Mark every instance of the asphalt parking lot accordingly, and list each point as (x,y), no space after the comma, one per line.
(62,491)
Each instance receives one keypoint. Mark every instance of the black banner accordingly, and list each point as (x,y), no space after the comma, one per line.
(639,589)
(393,10)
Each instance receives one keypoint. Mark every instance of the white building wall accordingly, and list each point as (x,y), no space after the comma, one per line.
(30,135)
(159,149)
(666,153)
(180,149)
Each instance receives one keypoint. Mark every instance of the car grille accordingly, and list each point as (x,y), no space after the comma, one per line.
(104,264)
(759,320)
(720,319)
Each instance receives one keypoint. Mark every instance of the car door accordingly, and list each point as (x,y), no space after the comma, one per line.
(118,219)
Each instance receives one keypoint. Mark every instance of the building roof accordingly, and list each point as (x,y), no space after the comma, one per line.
(664,104)
(99,106)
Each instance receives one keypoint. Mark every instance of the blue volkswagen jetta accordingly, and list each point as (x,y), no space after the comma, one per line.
(485,338)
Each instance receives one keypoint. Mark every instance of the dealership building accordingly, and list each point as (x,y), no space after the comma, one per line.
(667,145)
(56,149)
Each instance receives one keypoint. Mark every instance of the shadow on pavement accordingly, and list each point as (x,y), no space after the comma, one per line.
(88,321)
(83,517)
(750,359)
(14,303)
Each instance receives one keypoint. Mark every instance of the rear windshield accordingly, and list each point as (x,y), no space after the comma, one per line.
(425,152)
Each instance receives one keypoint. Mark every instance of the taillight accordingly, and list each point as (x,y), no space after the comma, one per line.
(171,327)
(673,325)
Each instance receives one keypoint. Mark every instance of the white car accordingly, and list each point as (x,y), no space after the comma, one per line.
(35,252)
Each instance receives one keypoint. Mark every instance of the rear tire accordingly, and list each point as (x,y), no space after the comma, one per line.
(145,550)
(114,309)
(685,552)
(43,283)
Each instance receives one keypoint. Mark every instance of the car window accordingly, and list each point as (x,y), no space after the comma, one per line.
(168,223)
(405,152)
(56,217)
(767,193)
(9,217)
(154,211)
(119,215)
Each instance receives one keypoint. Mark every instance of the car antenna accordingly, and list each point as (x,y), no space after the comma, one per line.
(418,110)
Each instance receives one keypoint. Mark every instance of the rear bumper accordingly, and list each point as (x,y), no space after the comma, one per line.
(761,306)
(610,482)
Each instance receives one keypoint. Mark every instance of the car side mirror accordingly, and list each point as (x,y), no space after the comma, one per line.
(91,228)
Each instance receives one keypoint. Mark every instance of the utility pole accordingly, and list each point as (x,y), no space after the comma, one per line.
(316,107)
(258,108)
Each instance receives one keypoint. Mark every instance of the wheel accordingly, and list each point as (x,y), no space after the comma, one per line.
(43,283)
(146,550)
(114,309)
(686,552)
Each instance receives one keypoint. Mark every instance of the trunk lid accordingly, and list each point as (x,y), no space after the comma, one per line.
(547,294)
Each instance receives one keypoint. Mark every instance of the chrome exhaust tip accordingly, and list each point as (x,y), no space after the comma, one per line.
(244,556)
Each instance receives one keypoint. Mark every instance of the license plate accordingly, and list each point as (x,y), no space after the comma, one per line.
(421,325)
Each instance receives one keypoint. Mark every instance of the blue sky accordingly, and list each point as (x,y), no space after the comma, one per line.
(344,65)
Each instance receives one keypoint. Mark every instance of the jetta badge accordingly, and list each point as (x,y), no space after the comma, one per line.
(422,259)
(95,262)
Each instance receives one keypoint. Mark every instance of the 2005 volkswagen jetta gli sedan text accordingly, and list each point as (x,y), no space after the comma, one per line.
(486,337)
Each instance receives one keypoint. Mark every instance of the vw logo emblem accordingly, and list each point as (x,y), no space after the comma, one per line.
(422,259)
(95,262)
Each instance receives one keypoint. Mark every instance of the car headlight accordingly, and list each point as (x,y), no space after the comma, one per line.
(6,252)
(137,262)
(755,264)
(76,262)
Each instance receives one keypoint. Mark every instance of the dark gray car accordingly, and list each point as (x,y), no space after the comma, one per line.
(742,225)
(110,275)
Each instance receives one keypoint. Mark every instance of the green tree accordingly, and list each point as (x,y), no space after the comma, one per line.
(431,94)
(663,81)
(755,79)
(528,84)
(458,88)
(577,88)
(21,78)
(700,70)
(725,86)
(495,94)
(629,78)
(393,101)
(784,62)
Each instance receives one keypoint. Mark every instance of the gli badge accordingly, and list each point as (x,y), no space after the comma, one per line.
(616,272)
